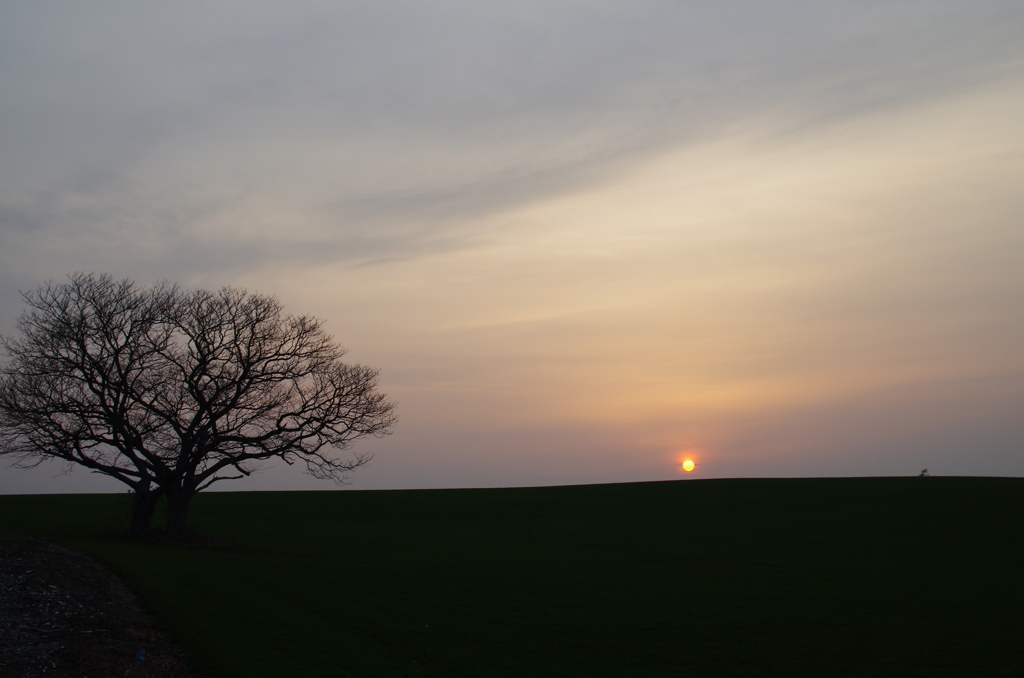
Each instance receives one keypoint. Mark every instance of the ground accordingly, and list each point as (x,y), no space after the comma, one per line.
(64,615)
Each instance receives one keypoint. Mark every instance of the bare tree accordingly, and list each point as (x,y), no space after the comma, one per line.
(171,391)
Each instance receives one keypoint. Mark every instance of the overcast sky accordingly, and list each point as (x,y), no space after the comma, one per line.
(582,240)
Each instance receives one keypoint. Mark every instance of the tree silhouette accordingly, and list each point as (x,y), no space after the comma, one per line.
(171,391)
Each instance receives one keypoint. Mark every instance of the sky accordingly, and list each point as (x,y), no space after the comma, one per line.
(582,240)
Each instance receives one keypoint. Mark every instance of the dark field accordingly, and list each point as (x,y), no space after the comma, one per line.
(810,577)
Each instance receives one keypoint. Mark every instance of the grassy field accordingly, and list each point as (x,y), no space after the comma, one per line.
(804,577)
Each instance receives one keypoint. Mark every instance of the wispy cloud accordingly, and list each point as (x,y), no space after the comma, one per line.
(657,220)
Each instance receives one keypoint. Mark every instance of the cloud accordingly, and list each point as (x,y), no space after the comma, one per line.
(613,215)
(368,118)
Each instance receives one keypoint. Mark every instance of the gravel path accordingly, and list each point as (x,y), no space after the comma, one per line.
(63,615)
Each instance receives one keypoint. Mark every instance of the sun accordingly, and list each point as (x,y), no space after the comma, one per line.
(688,465)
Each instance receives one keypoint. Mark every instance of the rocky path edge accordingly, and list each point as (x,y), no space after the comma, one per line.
(63,615)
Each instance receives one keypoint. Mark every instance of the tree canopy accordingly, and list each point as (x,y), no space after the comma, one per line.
(171,391)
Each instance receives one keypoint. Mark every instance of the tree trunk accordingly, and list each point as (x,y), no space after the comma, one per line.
(143,506)
(177,511)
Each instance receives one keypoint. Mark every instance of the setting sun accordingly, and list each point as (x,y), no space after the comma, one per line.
(688,465)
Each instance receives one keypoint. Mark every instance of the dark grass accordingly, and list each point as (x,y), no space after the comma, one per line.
(808,577)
